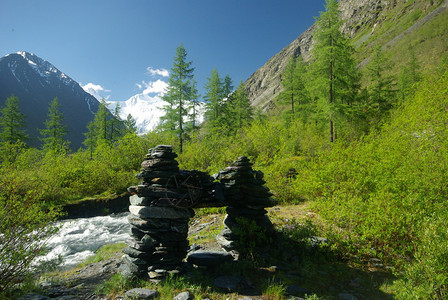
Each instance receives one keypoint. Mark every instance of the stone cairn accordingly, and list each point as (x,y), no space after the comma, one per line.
(247,197)
(161,207)
(160,210)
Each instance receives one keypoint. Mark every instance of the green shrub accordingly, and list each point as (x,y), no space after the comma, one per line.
(25,227)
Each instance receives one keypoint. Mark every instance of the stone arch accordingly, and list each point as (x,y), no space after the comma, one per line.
(162,205)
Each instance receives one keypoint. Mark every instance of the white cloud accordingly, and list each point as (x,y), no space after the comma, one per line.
(157,72)
(155,87)
(96,90)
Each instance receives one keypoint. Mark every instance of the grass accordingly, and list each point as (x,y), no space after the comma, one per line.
(289,260)
(103,253)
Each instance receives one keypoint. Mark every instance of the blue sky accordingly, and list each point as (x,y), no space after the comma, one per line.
(123,47)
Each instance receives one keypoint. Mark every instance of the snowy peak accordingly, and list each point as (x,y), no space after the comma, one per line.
(146,111)
(43,67)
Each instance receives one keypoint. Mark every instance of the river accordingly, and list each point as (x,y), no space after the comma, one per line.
(80,238)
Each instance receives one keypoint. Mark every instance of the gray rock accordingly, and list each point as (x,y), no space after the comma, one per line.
(183,296)
(33,296)
(225,243)
(230,283)
(141,293)
(346,296)
(140,201)
(209,258)
(147,212)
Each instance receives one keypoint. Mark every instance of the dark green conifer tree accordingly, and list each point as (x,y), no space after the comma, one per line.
(55,131)
(178,95)
(12,122)
(116,125)
(240,109)
(381,91)
(335,79)
(295,93)
(130,125)
(214,98)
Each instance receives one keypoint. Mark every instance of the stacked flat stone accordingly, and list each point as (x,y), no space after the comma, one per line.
(159,228)
(247,197)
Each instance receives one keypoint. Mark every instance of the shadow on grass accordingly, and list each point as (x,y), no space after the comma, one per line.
(294,265)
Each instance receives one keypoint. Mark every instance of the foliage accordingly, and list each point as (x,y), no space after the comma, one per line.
(274,290)
(239,110)
(333,71)
(382,93)
(214,98)
(180,91)
(388,189)
(60,177)
(12,122)
(295,92)
(25,227)
(54,132)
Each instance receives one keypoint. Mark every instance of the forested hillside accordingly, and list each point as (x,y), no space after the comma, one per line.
(360,127)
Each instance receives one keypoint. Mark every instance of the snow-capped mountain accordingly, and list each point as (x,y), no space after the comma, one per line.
(145,109)
(36,82)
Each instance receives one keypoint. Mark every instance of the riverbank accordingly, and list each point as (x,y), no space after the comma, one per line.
(290,267)
(92,207)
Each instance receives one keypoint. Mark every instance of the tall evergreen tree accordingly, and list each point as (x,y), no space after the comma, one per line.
(54,132)
(295,93)
(12,122)
(116,125)
(98,129)
(382,93)
(409,76)
(335,77)
(178,95)
(241,110)
(214,97)
(130,125)
(227,86)
(101,122)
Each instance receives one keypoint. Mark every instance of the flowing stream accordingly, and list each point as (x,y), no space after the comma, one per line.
(80,238)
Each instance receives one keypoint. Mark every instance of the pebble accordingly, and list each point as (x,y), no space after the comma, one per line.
(183,296)
(139,293)
(209,258)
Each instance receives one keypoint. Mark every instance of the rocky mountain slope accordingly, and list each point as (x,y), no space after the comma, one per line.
(394,24)
(36,82)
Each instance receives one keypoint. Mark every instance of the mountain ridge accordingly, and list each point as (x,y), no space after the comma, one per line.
(364,22)
(36,82)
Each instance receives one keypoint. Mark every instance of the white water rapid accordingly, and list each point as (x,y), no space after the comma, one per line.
(80,238)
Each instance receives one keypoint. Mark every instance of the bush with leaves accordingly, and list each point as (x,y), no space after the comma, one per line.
(24,230)
(388,190)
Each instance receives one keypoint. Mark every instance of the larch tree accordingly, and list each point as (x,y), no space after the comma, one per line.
(295,93)
(335,78)
(240,108)
(116,125)
(130,125)
(12,122)
(53,135)
(178,95)
(381,91)
(214,97)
